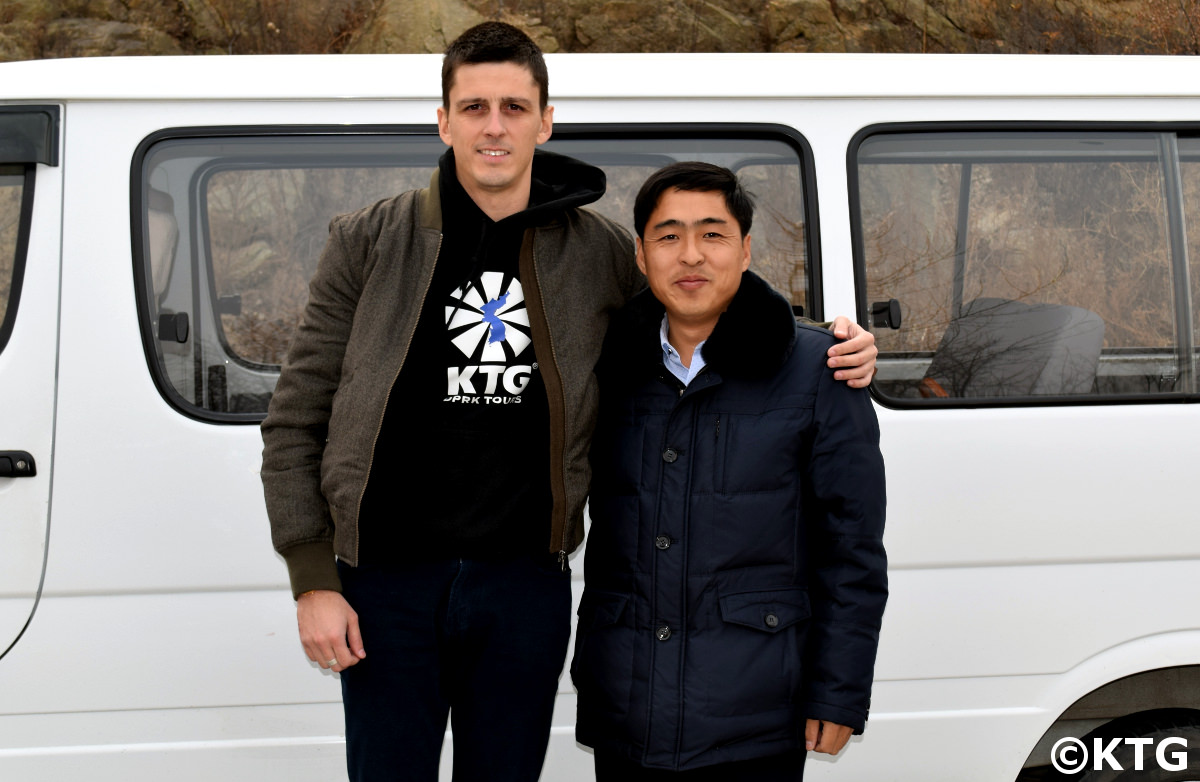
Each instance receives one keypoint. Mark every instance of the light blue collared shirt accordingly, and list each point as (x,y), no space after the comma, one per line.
(672,361)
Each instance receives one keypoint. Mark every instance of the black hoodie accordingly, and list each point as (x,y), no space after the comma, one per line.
(466,432)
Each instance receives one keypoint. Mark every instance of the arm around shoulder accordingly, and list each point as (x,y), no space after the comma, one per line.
(853,358)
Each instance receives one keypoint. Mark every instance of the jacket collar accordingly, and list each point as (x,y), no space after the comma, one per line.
(752,338)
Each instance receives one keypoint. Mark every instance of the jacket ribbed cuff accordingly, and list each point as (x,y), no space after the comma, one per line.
(312,566)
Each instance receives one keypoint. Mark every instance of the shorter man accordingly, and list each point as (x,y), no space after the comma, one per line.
(735,572)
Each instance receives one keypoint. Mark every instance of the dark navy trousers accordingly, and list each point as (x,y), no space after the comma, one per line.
(483,642)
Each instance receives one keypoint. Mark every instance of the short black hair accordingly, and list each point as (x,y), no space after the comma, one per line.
(495,42)
(694,175)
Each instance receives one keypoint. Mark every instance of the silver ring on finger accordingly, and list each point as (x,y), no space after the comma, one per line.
(331,663)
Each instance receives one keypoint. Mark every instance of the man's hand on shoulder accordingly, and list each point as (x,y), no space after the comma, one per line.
(853,359)
(825,736)
(329,630)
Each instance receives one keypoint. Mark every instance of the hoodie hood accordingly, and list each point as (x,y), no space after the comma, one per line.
(558,183)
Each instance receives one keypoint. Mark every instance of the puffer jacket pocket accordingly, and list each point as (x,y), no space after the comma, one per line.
(751,662)
(769,610)
(602,667)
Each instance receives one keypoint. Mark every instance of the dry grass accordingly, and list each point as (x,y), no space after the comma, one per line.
(278,26)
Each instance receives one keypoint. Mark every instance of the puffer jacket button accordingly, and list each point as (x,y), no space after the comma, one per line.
(670,455)
(771,620)
(663,633)
(662,543)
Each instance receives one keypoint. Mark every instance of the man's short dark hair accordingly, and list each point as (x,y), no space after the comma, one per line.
(694,175)
(495,42)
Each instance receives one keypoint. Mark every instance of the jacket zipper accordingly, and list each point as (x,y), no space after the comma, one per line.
(718,462)
(558,488)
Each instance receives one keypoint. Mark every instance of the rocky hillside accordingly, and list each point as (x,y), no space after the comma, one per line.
(75,28)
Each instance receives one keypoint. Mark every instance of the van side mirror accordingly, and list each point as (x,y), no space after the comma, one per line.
(173,327)
(886,313)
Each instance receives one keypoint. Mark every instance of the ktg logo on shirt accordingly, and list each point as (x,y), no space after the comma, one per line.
(490,326)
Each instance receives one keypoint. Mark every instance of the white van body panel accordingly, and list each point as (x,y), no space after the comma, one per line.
(28,377)
(1037,553)
(661,76)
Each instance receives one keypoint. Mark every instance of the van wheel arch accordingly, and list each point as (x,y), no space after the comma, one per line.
(1136,701)
(1157,724)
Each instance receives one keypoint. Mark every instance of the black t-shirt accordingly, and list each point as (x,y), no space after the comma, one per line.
(461,464)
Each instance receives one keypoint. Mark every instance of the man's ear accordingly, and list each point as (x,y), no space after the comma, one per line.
(547,128)
(746,253)
(443,125)
(640,255)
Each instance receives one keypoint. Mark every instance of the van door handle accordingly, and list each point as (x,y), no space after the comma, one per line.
(17,464)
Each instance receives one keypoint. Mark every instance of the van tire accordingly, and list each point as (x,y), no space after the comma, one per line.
(1156,725)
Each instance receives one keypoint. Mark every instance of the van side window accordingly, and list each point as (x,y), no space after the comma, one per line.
(1189,175)
(230,230)
(1029,266)
(12,198)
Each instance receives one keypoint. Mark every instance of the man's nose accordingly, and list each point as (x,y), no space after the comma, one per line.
(690,252)
(495,123)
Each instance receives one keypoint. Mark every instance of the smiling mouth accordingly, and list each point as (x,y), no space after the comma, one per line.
(690,283)
(493,152)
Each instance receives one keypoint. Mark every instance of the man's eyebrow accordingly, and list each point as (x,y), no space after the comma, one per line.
(503,101)
(676,223)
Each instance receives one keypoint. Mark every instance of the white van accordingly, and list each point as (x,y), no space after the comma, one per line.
(1021,233)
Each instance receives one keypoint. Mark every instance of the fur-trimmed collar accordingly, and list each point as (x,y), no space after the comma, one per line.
(752,338)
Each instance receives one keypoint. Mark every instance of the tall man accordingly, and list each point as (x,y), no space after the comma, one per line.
(425,460)
(735,576)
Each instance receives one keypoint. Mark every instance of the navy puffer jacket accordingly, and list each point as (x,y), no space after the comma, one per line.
(735,571)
